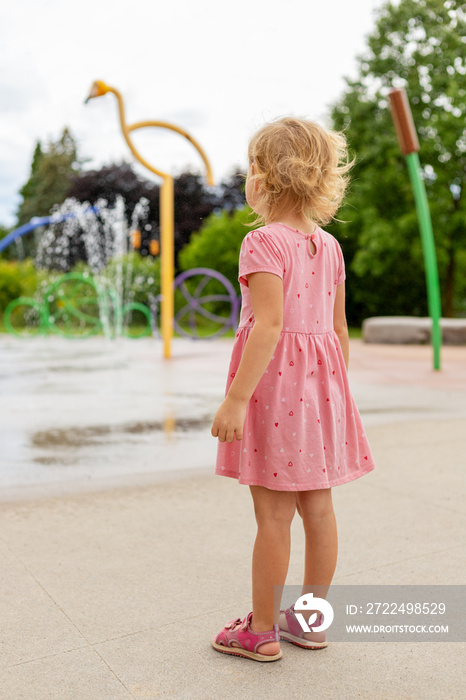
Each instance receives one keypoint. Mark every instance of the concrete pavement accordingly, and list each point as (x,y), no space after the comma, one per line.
(123,553)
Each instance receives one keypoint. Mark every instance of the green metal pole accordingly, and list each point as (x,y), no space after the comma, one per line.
(428,247)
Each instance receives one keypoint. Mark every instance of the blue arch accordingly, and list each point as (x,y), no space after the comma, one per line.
(36,222)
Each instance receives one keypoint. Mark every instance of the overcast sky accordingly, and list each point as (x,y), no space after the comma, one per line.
(217,69)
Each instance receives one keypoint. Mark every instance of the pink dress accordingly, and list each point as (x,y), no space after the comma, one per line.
(302,429)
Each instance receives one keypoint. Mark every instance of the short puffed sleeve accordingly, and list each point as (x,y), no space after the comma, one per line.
(341,274)
(259,253)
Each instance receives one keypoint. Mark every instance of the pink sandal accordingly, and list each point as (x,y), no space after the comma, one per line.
(239,631)
(295,633)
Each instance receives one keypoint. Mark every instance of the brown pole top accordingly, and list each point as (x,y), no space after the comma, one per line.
(403,120)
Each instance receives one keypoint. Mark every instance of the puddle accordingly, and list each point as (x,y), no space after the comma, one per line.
(55,461)
(92,435)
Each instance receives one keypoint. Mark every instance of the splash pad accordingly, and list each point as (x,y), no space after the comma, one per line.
(111,296)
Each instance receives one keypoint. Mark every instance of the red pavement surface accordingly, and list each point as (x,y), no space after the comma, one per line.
(408,364)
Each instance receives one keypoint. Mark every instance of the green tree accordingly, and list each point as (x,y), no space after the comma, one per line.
(194,201)
(14,251)
(28,191)
(51,172)
(17,279)
(4,231)
(217,243)
(419,45)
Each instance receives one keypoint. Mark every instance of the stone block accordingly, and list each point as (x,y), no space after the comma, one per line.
(404,330)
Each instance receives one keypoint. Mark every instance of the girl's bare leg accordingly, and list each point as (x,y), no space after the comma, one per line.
(320,528)
(274,512)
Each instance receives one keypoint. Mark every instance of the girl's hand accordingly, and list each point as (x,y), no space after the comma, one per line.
(229,420)
(266,291)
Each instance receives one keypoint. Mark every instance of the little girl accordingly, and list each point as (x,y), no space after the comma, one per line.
(289,427)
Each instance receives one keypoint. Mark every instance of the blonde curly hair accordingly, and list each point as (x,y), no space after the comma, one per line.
(299,167)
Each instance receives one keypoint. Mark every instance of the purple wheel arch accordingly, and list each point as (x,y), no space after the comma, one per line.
(195,300)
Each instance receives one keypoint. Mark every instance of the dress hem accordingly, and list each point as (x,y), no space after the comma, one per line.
(312,487)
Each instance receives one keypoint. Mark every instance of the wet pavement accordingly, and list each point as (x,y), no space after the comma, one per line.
(115,593)
(88,414)
(91,413)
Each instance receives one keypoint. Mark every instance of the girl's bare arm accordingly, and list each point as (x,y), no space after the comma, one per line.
(266,291)
(339,322)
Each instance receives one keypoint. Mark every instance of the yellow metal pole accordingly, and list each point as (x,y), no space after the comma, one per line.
(167,208)
(167,261)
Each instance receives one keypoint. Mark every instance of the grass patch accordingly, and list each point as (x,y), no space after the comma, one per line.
(355,332)
(205,330)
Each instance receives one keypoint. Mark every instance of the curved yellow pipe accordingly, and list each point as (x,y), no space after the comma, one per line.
(125,129)
(100,88)
(179,130)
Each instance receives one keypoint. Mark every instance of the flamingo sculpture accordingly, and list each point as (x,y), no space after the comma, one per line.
(100,88)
